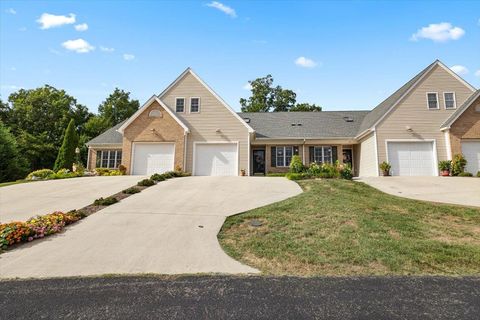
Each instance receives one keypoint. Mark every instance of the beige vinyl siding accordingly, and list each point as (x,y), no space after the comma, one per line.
(368,157)
(412,111)
(203,125)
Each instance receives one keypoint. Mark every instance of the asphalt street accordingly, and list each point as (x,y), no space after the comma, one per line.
(253,297)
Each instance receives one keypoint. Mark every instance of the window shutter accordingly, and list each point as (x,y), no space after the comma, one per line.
(334,154)
(295,150)
(311,154)
(273,158)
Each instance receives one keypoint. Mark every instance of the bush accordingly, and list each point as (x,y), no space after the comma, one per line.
(13,164)
(295,176)
(122,169)
(478,174)
(131,190)
(66,154)
(385,167)
(146,183)
(36,227)
(465,174)
(108,172)
(276,174)
(158,177)
(40,174)
(105,201)
(458,164)
(296,165)
(79,169)
(314,169)
(329,171)
(63,174)
(345,171)
(444,165)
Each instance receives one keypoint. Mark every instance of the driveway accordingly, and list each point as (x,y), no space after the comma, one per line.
(455,190)
(170,228)
(22,201)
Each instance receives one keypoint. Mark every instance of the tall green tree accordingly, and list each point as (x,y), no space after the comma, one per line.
(117,107)
(4,111)
(268,98)
(12,164)
(66,154)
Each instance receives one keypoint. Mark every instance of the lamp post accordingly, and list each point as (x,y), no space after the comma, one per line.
(77,154)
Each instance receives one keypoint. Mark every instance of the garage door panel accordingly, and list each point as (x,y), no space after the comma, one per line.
(213,159)
(411,158)
(153,158)
(471,152)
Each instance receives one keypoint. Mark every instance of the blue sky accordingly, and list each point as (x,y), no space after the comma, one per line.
(340,55)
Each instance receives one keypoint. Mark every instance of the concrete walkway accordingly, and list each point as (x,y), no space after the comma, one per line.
(170,228)
(455,190)
(21,201)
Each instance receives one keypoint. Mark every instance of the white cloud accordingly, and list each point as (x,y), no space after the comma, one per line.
(128,56)
(247,86)
(439,32)
(305,62)
(458,69)
(106,49)
(81,27)
(78,45)
(225,9)
(11,11)
(48,20)
(477,73)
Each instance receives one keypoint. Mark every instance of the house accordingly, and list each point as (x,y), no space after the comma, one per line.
(188,126)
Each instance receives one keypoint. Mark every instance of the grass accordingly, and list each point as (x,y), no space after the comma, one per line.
(339,227)
(5,184)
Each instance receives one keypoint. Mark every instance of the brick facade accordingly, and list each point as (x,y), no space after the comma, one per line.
(467,126)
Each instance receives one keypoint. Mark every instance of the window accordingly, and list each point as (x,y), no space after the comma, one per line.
(449,100)
(284,156)
(194,105)
(180,105)
(432,99)
(322,154)
(109,158)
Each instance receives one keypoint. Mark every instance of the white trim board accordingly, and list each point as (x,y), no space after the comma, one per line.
(190,71)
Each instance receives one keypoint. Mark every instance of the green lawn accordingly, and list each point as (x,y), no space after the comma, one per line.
(4,184)
(339,227)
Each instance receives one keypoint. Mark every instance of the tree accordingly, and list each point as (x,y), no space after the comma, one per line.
(117,107)
(12,164)
(265,98)
(305,107)
(4,111)
(66,154)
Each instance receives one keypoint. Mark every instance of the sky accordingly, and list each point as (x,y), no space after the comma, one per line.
(347,55)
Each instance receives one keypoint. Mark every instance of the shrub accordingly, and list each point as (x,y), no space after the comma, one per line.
(108,172)
(385,166)
(345,171)
(465,174)
(296,165)
(444,165)
(79,169)
(115,173)
(40,174)
(329,171)
(276,174)
(13,164)
(36,227)
(478,174)
(146,183)
(314,169)
(105,201)
(158,177)
(66,154)
(295,176)
(122,169)
(131,190)
(458,164)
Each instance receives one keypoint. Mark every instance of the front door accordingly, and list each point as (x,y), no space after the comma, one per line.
(258,161)
(347,157)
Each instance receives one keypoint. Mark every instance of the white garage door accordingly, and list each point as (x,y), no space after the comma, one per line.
(411,158)
(471,151)
(216,159)
(150,158)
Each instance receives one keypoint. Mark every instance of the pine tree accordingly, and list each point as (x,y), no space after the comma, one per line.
(66,154)
(12,164)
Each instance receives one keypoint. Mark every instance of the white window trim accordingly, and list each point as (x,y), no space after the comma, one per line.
(438,101)
(199,104)
(323,154)
(108,158)
(284,156)
(454,100)
(184,104)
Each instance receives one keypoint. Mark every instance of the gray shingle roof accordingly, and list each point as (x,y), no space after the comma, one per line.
(385,105)
(461,109)
(323,124)
(111,136)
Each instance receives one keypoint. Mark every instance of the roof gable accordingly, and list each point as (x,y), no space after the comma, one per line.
(204,84)
(144,107)
(383,109)
(449,122)
(110,136)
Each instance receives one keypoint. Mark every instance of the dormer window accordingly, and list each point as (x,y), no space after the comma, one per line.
(180,104)
(450,102)
(432,100)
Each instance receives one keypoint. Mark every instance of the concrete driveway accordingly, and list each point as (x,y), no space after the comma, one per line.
(22,201)
(455,190)
(170,228)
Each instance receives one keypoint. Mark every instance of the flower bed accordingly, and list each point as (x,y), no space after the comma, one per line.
(36,227)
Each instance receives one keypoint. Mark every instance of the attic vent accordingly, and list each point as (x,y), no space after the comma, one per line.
(348,119)
(247,120)
(296,124)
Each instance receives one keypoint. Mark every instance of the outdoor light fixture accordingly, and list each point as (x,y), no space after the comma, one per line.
(408,128)
(77,150)
(218,130)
